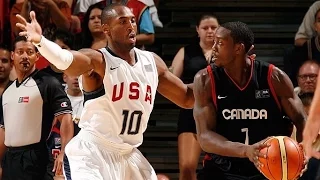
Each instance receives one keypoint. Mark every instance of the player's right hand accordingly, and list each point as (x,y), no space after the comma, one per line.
(32,31)
(253,152)
(311,147)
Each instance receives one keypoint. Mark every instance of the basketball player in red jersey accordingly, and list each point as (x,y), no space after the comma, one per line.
(238,104)
(120,83)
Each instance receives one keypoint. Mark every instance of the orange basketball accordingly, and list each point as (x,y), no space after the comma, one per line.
(285,159)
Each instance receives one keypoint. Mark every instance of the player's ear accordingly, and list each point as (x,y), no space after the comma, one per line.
(106,29)
(239,48)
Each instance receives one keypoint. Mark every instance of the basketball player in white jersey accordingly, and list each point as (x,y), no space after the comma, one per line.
(120,84)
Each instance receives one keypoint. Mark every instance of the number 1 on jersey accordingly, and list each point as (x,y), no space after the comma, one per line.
(246,130)
(135,116)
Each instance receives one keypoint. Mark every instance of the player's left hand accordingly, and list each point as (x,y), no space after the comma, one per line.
(57,168)
(253,152)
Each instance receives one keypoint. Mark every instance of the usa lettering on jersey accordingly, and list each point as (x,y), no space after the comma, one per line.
(134,92)
(230,114)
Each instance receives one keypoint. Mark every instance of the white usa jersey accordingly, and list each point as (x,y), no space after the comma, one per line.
(121,114)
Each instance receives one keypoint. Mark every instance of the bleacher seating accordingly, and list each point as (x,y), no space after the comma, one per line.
(274,23)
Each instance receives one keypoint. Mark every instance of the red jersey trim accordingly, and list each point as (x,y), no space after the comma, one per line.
(213,86)
(249,80)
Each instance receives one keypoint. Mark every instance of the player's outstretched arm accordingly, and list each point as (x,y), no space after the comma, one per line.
(312,127)
(290,102)
(171,87)
(72,62)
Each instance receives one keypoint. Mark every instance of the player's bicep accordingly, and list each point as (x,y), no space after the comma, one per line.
(171,87)
(289,101)
(177,63)
(204,111)
(84,60)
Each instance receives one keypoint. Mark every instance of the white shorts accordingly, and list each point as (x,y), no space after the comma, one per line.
(93,158)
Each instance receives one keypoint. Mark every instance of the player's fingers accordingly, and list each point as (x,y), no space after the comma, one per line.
(59,168)
(55,166)
(21,19)
(261,155)
(23,33)
(21,26)
(33,16)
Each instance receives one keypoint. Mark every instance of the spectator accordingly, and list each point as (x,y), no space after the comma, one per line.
(82,6)
(28,108)
(5,67)
(153,12)
(306,30)
(92,35)
(307,77)
(187,62)
(76,98)
(297,55)
(51,14)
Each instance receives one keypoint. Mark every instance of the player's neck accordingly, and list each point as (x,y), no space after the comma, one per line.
(99,41)
(239,71)
(123,53)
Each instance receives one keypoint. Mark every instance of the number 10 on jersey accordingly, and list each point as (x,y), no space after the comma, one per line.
(132,126)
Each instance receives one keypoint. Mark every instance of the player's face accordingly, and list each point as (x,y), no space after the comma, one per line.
(94,23)
(223,48)
(24,56)
(122,28)
(206,29)
(307,77)
(5,64)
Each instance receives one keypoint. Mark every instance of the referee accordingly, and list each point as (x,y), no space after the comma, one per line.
(29,106)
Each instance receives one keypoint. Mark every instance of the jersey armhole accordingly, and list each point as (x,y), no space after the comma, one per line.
(273,92)
(102,55)
(213,86)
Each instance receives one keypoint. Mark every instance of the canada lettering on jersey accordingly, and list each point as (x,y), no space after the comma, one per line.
(230,114)
(134,92)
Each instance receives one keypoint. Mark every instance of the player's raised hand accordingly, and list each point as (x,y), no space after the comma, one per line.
(253,152)
(32,31)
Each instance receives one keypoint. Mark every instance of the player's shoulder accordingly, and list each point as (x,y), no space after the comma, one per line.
(202,77)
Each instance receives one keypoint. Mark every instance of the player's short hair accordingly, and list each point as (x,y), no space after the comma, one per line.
(19,39)
(108,12)
(240,33)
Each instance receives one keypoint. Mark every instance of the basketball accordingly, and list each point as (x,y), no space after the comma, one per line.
(285,159)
